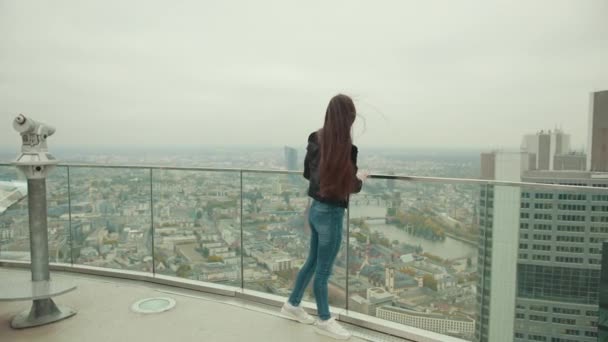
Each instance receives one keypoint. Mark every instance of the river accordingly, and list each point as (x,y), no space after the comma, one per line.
(447,249)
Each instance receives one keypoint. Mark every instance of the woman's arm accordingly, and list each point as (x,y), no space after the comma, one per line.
(358,182)
(307,164)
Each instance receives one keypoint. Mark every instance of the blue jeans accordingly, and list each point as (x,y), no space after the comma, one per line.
(326,223)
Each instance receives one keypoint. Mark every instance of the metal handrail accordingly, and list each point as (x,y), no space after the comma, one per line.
(408,178)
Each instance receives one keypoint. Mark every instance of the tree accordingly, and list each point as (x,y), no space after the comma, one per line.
(429,281)
(159,257)
(408,271)
(360,237)
(184,271)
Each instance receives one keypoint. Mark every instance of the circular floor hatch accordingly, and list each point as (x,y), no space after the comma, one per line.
(153,305)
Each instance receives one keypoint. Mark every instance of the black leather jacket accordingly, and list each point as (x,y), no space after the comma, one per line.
(311,172)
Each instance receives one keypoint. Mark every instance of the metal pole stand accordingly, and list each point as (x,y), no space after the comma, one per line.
(43,311)
(35,162)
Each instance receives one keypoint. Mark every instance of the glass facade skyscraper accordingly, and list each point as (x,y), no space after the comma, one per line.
(559,260)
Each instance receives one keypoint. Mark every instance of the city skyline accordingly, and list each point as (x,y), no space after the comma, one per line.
(160,153)
(422,255)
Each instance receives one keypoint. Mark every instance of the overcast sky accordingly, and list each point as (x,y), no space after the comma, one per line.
(439,74)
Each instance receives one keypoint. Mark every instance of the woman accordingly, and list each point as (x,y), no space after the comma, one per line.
(330,166)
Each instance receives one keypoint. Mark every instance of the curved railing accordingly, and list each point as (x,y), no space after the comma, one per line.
(418,251)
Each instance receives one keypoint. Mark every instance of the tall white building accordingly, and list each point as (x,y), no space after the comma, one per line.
(499,230)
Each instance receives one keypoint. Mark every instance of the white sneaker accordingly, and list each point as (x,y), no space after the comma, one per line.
(332,329)
(297,313)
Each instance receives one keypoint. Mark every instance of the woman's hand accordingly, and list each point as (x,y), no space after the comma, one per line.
(362,175)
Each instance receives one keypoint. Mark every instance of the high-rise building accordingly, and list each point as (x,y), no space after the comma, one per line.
(559,262)
(558,236)
(597,157)
(291,163)
(291,159)
(488,165)
(543,155)
(544,147)
(556,239)
(498,222)
(571,161)
(602,325)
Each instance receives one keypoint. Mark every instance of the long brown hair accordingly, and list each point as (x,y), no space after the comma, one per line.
(336,168)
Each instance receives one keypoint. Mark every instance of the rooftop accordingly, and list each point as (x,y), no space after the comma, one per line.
(104,314)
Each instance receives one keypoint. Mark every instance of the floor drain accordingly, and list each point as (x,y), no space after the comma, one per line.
(153,305)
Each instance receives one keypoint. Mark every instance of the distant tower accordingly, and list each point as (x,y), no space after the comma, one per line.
(488,165)
(291,158)
(544,146)
(291,161)
(597,157)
